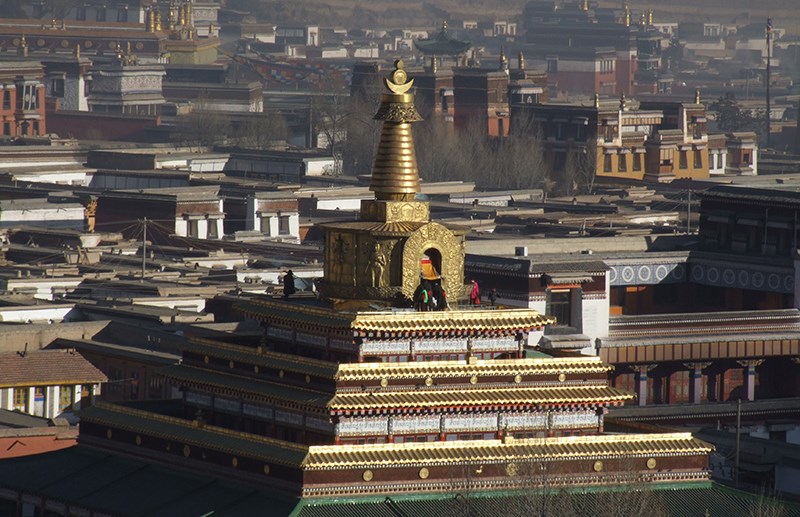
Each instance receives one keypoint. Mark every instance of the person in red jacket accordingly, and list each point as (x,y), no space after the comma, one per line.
(475,294)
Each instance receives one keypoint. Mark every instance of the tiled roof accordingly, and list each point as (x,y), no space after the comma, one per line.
(266,358)
(247,387)
(217,438)
(509,396)
(492,451)
(46,368)
(445,369)
(93,480)
(292,314)
(669,500)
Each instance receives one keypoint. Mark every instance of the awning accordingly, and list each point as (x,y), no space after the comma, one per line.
(566,278)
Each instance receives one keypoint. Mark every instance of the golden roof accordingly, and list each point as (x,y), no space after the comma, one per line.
(488,368)
(329,457)
(408,321)
(496,451)
(506,396)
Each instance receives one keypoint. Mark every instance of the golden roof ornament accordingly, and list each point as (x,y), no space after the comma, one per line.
(521,61)
(394,173)
(697,96)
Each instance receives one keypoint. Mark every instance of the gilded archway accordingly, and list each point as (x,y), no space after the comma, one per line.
(448,244)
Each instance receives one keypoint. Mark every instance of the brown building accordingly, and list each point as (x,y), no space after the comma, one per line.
(23,104)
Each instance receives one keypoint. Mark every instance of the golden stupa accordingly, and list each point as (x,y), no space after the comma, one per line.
(383,255)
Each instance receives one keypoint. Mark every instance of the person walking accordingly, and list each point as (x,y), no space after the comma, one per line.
(475,294)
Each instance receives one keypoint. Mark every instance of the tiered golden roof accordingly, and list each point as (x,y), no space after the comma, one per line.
(513,396)
(497,451)
(331,457)
(481,368)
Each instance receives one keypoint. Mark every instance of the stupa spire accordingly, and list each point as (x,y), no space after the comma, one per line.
(394,174)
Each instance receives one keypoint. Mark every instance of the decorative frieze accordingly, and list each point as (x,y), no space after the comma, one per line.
(319,424)
(287,417)
(393,346)
(198,399)
(311,339)
(573,419)
(280,333)
(363,426)
(497,343)
(411,425)
(261,412)
(518,421)
(231,406)
(435,346)
(343,344)
(470,423)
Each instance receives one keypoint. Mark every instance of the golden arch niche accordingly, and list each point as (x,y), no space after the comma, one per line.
(443,249)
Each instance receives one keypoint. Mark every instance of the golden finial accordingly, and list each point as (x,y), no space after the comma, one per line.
(398,82)
(521,61)
(394,172)
(623,103)
(444,25)
(650,17)
(433,64)
(627,16)
(585,5)
(78,50)
(597,100)
(503,58)
(697,96)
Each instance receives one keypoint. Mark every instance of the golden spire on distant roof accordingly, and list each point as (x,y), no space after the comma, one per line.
(394,173)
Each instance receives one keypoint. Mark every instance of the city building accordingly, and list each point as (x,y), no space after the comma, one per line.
(656,141)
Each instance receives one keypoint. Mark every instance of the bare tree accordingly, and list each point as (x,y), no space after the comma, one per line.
(203,127)
(261,131)
(579,170)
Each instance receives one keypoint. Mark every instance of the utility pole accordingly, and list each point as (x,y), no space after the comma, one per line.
(738,436)
(144,246)
(769,60)
(689,214)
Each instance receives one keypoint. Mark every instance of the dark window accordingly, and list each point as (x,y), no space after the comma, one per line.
(560,307)
(122,14)
(746,158)
(683,162)
(623,162)
(607,163)
(80,13)
(57,88)
(7,128)
(101,14)
(637,162)
(283,225)
(698,158)
(665,294)
(7,99)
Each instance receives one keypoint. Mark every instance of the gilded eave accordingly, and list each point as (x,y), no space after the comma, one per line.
(481,368)
(511,396)
(497,451)
(403,321)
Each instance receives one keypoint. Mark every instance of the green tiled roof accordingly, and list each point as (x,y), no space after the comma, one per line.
(99,481)
(266,358)
(169,428)
(251,388)
(691,500)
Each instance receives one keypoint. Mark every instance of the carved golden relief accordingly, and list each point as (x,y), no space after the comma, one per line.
(395,211)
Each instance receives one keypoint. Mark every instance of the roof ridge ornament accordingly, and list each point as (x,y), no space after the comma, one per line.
(398,81)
